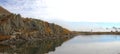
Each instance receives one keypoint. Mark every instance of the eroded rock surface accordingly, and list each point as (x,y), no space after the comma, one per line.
(13,27)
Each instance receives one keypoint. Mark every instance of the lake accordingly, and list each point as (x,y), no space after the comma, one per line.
(81,44)
(90,44)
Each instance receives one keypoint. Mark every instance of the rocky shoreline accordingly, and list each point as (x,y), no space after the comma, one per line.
(14,41)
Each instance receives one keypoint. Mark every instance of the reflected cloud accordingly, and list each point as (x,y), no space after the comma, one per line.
(96,44)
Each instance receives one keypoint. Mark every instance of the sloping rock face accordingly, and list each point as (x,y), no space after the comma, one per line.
(3,11)
(27,28)
(13,27)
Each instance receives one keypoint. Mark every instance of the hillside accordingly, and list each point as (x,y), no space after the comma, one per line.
(3,11)
(13,26)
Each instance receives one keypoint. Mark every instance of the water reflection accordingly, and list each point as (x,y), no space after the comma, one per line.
(83,44)
(33,47)
(94,44)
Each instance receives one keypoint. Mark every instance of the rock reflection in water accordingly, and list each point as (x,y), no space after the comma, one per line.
(33,47)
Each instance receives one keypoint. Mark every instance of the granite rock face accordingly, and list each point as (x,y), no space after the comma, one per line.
(13,26)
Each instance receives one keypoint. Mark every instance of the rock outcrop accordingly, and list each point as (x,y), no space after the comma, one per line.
(13,26)
(3,11)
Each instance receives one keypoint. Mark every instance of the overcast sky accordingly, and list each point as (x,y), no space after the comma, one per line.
(67,10)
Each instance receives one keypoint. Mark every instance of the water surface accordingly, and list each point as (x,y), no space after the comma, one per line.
(90,44)
(82,44)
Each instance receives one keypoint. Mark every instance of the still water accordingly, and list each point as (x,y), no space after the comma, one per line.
(90,44)
(82,44)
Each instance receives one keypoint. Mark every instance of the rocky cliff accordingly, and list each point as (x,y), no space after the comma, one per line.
(13,26)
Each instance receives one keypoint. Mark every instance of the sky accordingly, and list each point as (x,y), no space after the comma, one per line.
(58,11)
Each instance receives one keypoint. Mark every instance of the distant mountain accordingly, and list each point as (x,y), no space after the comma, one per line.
(13,26)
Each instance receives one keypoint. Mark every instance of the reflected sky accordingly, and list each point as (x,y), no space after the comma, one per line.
(95,38)
(94,44)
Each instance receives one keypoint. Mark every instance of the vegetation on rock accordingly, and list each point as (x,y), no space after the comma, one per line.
(16,27)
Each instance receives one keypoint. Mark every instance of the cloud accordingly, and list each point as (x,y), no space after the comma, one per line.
(67,10)
(85,10)
(28,8)
(61,11)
